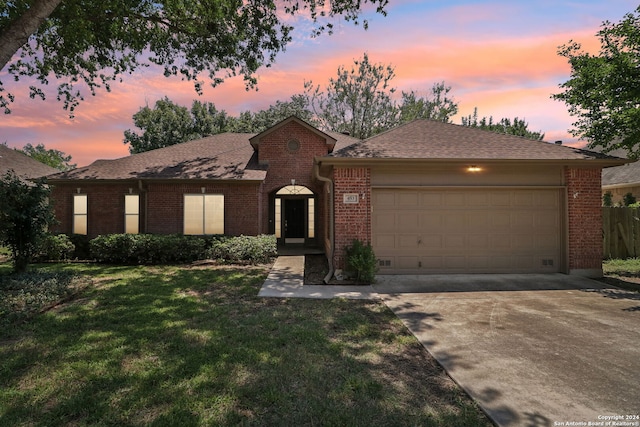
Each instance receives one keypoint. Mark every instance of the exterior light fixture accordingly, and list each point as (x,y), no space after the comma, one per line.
(474,168)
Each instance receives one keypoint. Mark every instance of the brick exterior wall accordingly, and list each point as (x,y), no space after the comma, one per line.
(248,205)
(164,203)
(286,164)
(105,206)
(585,221)
(352,220)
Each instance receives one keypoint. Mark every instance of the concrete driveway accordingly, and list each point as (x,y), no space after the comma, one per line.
(532,350)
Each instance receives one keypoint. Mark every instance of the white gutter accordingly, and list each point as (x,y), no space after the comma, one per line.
(329,183)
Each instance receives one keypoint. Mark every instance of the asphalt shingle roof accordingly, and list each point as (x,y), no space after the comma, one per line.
(428,139)
(22,165)
(231,156)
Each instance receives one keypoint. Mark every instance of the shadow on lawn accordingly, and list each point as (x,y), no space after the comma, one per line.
(193,346)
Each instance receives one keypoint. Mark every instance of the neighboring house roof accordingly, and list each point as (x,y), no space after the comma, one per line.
(428,139)
(21,164)
(621,176)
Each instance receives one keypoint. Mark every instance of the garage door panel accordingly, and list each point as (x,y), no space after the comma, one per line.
(468,230)
(408,199)
(407,241)
(407,262)
(478,219)
(384,199)
(431,242)
(454,199)
(454,222)
(500,199)
(407,221)
(431,199)
(384,242)
(384,222)
(478,242)
(500,220)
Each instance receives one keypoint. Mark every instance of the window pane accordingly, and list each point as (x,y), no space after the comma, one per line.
(278,219)
(311,218)
(79,214)
(193,214)
(294,189)
(131,224)
(214,214)
(131,204)
(79,204)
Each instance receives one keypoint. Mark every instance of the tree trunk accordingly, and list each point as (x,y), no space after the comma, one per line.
(18,32)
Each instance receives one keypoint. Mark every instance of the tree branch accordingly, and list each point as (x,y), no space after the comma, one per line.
(18,32)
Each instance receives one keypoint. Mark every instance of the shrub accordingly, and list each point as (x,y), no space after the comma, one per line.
(248,249)
(56,247)
(361,261)
(629,199)
(147,249)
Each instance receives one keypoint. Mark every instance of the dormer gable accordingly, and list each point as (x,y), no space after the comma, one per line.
(290,136)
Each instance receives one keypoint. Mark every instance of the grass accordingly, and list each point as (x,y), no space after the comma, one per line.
(195,346)
(623,273)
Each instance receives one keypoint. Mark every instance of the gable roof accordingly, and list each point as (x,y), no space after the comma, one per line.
(226,156)
(222,156)
(21,164)
(429,139)
(329,140)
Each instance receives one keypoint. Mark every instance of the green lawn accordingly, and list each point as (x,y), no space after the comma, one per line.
(194,346)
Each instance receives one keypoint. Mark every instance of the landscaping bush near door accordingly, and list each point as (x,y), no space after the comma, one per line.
(148,249)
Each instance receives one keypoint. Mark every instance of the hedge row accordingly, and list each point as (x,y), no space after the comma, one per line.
(160,249)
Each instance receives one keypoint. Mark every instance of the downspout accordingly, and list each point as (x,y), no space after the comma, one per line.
(329,183)
(142,191)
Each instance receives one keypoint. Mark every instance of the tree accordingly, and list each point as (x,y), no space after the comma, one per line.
(168,123)
(518,127)
(96,42)
(163,125)
(438,106)
(25,215)
(358,101)
(257,122)
(54,158)
(603,91)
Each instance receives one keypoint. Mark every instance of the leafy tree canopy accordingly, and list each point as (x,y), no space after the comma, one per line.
(360,101)
(168,123)
(603,92)
(517,127)
(54,158)
(96,42)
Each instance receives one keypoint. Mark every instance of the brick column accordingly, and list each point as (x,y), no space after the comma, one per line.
(352,219)
(585,221)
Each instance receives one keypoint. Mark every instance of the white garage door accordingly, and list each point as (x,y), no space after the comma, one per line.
(430,231)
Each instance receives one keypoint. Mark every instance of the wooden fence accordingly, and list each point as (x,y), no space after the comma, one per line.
(621,232)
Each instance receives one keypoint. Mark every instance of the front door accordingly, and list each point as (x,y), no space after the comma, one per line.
(294,220)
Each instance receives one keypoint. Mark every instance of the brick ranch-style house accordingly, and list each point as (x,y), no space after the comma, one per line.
(430,197)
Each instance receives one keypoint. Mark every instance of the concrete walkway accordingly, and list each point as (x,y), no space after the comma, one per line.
(286,280)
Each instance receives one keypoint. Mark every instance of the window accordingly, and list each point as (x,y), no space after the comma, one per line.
(311,218)
(80,214)
(203,214)
(131,213)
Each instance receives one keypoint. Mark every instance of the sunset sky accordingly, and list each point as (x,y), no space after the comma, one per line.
(499,56)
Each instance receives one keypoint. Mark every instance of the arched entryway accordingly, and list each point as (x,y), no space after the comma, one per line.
(294,215)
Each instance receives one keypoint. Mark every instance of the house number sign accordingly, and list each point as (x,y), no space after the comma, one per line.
(351,198)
